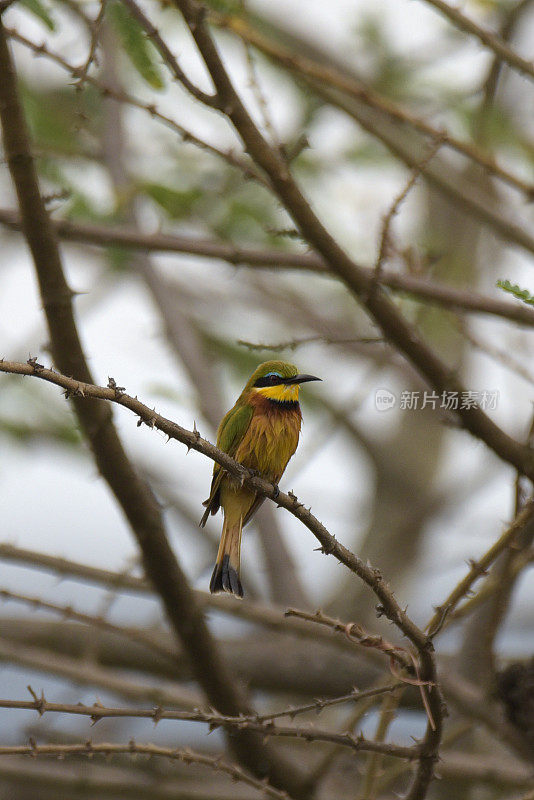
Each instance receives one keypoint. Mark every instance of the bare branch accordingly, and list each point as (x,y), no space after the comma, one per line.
(479,568)
(187,756)
(490,40)
(264,725)
(84,673)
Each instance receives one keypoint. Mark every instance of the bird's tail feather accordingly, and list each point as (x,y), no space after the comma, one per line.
(225,576)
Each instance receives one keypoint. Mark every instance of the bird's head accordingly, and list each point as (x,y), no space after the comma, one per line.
(278,380)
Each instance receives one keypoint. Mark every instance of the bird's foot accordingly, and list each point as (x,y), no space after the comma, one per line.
(276,491)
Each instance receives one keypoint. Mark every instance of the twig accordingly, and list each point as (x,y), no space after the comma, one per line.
(93,675)
(95,31)
(293,344)
(488,39)
(479,568)
(357,634)
(74,569)
(502,356)
(491,586)
(397,655)
(394,209)
(260,99)
(169,59)
(98,711)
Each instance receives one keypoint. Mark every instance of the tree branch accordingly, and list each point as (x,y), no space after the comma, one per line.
(419,288)
(479,568)
(91,749)
(488,39)
(265,725)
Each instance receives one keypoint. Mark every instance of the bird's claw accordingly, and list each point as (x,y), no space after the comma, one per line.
(276,491)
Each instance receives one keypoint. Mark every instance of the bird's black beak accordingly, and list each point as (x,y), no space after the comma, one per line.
(301,379)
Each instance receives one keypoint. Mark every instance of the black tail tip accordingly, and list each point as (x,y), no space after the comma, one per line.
(225,578)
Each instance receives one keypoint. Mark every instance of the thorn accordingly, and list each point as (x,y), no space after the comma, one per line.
(119,390)
(35,364)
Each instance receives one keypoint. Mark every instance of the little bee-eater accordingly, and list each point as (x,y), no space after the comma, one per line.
(261,432)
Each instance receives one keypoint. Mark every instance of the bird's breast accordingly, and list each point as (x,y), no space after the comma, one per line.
(271,439)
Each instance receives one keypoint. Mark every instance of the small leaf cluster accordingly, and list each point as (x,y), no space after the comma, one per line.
(520,294)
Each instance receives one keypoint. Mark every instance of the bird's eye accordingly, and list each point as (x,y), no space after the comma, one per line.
(271,379)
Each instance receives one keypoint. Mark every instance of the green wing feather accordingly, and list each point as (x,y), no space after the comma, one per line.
(229,436)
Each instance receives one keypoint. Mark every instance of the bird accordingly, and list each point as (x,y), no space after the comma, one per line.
(261,432)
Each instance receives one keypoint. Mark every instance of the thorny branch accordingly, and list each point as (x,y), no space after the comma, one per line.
(263,724)
(193,440)
(186,756)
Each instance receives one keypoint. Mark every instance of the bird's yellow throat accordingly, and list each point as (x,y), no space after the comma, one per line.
(282,393)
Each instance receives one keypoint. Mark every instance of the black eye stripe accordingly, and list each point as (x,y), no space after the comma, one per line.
(269,380)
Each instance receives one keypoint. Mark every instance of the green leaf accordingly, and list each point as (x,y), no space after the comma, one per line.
(40,11)
(138,48)
(520,294)
(177,203)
